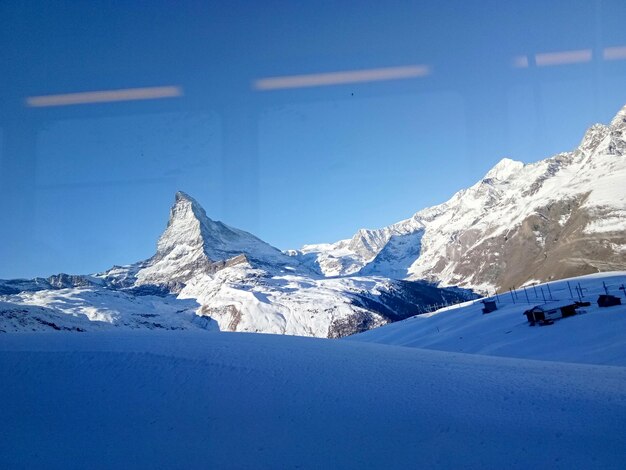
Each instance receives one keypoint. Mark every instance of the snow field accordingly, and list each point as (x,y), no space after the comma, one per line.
(229,400)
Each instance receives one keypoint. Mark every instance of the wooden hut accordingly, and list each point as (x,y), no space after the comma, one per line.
(606,300)
(545,314)
(489,305)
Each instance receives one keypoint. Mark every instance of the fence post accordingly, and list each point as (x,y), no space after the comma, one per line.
(570,290)
(580,288)
(549,291)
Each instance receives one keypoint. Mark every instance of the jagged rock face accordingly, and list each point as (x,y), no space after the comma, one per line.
(182,248)
(360,321)
(562,216)
(62,281)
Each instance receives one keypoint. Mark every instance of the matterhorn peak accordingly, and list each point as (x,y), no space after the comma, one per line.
(185,206)
(193,245)
(185,225)
(183,197)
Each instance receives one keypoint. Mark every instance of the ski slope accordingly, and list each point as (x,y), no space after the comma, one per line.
(595,336)
(231,400)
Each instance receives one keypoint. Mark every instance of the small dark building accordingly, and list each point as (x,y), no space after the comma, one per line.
(545,314)
(606,300)
(489,306)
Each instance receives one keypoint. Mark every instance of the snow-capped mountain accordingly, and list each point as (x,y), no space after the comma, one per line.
(193,244)
(208,275)
(563,216)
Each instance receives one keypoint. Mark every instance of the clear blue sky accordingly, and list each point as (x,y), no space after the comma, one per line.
(88,186)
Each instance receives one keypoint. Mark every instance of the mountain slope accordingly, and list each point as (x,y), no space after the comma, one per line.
(563,216)
(248,299)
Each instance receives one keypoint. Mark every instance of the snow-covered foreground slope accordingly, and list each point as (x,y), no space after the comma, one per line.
(228,400)
(597,336)
(560,217)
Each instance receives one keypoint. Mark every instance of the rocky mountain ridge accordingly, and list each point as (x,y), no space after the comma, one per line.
(562,216)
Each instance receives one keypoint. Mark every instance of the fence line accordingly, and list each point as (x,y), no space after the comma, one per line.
(535,294)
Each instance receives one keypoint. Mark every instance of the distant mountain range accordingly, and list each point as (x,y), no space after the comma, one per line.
(563,216)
